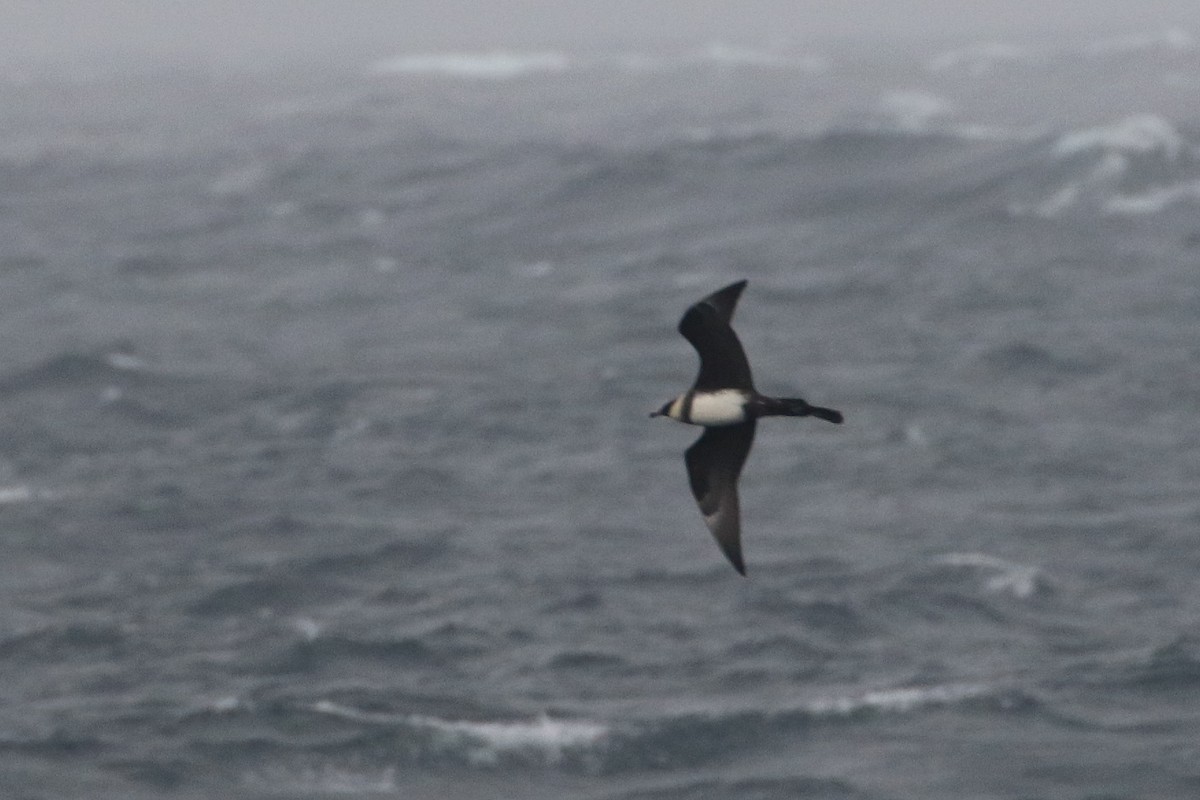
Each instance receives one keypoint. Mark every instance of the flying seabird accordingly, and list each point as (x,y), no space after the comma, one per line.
(724,401)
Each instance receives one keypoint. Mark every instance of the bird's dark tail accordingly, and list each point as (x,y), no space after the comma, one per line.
(798,407)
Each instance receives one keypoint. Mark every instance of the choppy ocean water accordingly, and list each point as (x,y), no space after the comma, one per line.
(326,469)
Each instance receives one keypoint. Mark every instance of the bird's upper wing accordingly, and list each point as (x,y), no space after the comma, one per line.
(723,363)
(714,463)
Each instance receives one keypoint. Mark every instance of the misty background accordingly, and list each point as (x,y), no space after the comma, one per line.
(229,34)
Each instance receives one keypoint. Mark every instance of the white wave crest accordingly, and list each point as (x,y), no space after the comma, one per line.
(1088,191)
(978,59)
(1153,200)
(1140,133)
(1104,187)
(331,779)
(1016,579)
(16,494)
(485,743)
(718,54)
(496,65)
(901,699)
(918,112)
(914,111)
(724,53)
(504,64)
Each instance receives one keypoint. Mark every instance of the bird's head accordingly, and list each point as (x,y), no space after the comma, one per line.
(671,405)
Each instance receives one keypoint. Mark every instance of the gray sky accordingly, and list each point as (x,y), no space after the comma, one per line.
(261,31)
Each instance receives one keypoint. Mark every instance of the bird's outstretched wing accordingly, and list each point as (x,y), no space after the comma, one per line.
(714,463)
(723,363)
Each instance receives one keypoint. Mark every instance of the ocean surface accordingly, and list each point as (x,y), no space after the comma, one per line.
(326,469)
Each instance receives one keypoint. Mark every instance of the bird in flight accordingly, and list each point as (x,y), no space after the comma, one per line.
(724,401)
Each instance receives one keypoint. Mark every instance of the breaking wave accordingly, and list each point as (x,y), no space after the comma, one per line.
(1136,134)
(542,741)
(1141,164)
(594,746)
(1002,576)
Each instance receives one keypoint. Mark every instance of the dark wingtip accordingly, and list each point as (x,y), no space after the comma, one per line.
(735,558)
(733,290)
(827,414)
(723,300)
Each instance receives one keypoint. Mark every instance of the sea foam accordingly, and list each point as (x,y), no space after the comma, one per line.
(1006,576)
(900,699)
(483,743)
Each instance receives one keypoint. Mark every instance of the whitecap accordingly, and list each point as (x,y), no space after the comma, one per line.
(124,359)
(346,712)
(309,628)
(344,780)
(1051,207)
(922,113)
(533,269)
(723,53)
(1009,577)
(372,218)
(385,264)
(1094,190)
(900,699)
(915,435)
(226,705)
(1153,200)
(333,779)
(486,742)
(914,111)
(989,133)
(15,494)
(978,59)
(720,54)
(1139,133)
(495,65)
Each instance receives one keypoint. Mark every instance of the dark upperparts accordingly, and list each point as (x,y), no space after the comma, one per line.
(762,406)
(705,325)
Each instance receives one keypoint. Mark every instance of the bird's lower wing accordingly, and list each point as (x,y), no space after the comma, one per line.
(714,464)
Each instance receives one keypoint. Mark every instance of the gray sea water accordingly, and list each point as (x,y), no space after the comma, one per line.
(326,470)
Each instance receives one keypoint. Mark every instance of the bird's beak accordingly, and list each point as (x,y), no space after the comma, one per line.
(655,414)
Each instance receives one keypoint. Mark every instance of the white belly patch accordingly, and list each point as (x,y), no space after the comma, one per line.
(724,407)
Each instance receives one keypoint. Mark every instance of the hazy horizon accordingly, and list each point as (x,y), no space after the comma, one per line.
(224,32)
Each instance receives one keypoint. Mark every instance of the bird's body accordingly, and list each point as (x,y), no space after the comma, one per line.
(710,409)
(724,401)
